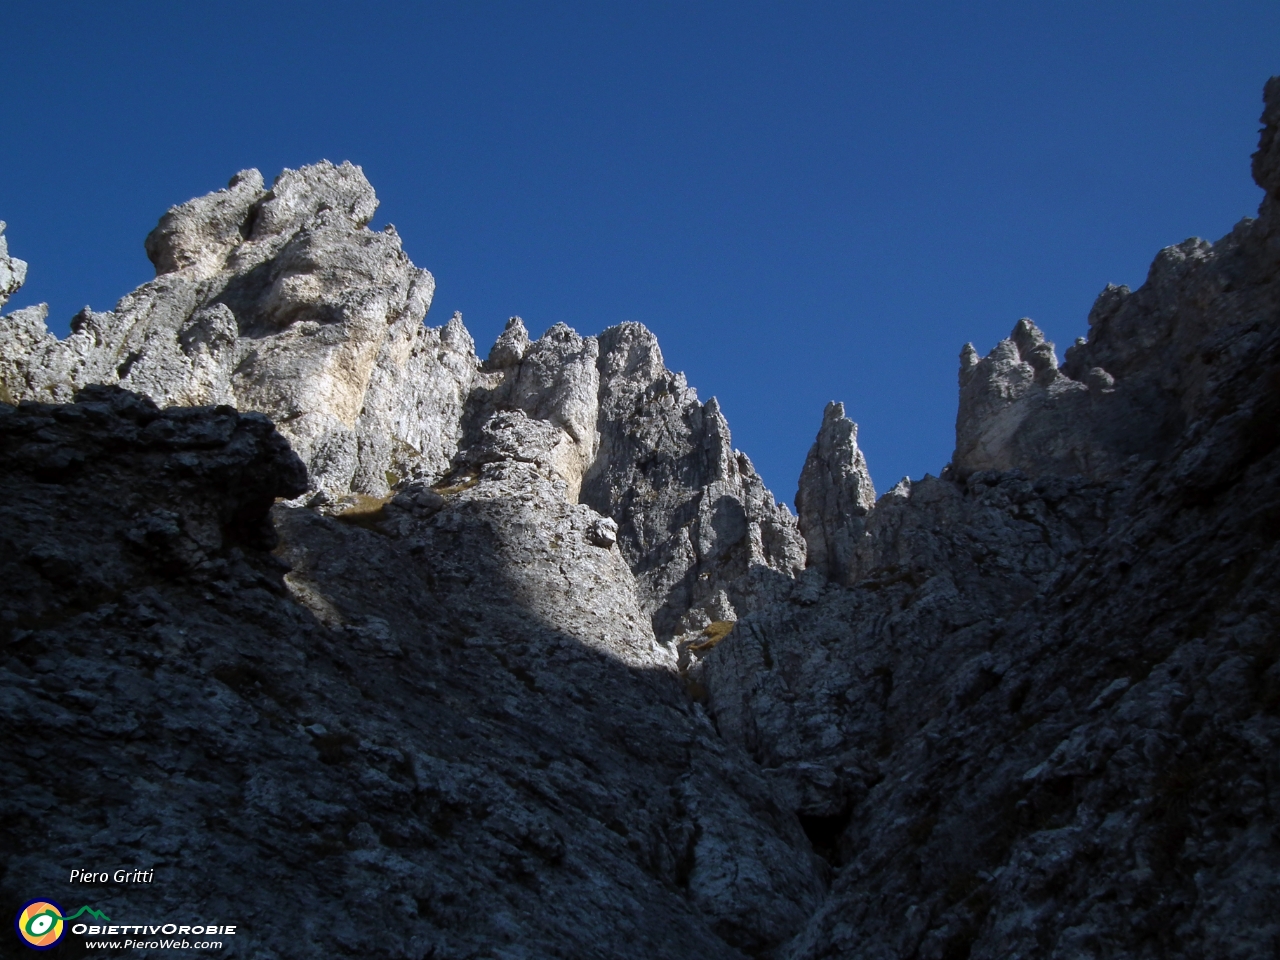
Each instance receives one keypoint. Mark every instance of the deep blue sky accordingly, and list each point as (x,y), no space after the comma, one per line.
(805,201)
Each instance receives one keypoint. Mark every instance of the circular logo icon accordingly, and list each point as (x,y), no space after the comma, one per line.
(40,924)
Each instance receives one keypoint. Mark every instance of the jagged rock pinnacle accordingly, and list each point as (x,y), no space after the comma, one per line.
(13,272)
(835,495)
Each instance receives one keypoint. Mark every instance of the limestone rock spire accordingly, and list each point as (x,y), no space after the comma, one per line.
(13,272)
(1266,160)
(835,494)
(511,346)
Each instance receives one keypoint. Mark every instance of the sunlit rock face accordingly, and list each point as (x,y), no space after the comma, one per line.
(283,302)
(835,496)
(517,656)
(12,270)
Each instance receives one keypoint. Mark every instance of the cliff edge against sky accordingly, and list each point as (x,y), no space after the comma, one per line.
(517,656)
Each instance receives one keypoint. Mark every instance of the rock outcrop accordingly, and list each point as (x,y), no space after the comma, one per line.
(444,718)
(519,658)
(1043,719)
(1130,391)
(1020,411)
(12,270)
(607,420)
(283,302)
(703,535)
(835,496)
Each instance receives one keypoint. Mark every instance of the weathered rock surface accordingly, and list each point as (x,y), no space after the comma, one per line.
(283,302)
(1043,720)
(835,495)
(12,270)
(448,721)
(702,534)
(626,436)
(531,663)
(1132,389)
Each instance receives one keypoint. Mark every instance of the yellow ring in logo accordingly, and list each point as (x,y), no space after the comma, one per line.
(40,924)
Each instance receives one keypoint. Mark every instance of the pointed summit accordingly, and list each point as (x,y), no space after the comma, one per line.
(835,494)
(13,272)
(510,347)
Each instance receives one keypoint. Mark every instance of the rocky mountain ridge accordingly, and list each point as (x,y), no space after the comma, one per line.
(283,302)
(524,660)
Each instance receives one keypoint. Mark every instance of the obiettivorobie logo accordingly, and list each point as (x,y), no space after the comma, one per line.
(41,923)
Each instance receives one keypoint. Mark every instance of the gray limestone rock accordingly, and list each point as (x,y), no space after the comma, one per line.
(1019,411)
(557,382)
(630,439)
(1130,391)
(702,534)
(443,716)
(283,302)
(1266,161)
(510,347)
(835,495)
(553,384)
(13,272)
(199,235)
(1042,720)
(604,533)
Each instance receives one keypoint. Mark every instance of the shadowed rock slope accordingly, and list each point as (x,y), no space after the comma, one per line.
(1042,719)
(445,720)
(517,657)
